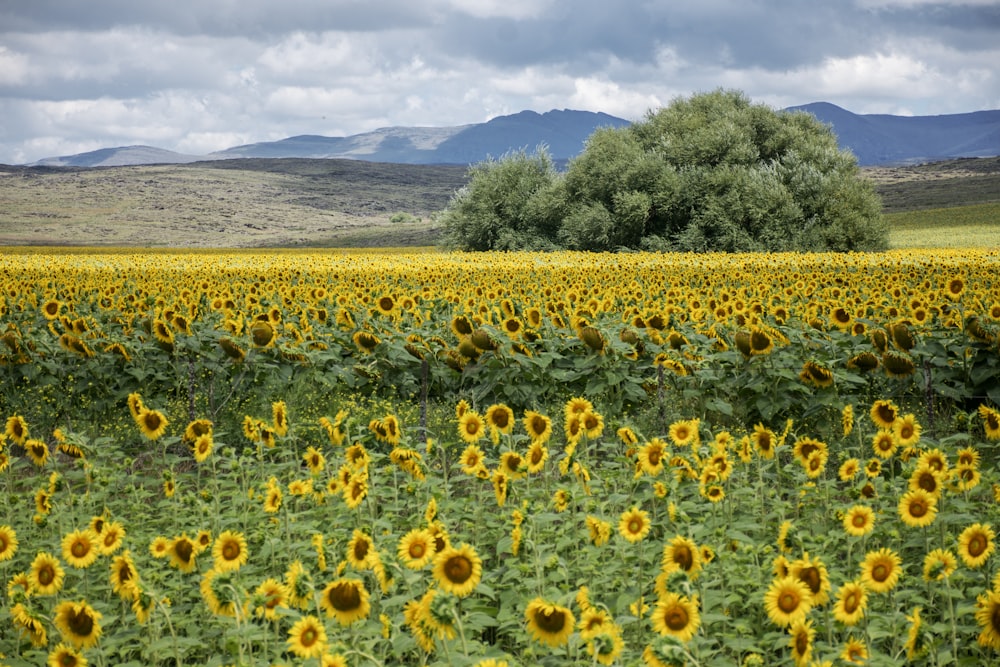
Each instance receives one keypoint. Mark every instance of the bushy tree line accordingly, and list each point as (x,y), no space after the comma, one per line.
(713,172)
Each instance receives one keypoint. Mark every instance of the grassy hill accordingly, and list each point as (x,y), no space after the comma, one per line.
(228,203)
(348,203)
(953,203)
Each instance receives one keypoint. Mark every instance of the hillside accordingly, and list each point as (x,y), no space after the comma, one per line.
(323,202)
(227,203)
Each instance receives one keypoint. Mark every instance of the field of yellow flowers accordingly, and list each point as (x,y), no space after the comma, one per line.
(325,458)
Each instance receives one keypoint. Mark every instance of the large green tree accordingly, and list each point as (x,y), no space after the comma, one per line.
(713,172)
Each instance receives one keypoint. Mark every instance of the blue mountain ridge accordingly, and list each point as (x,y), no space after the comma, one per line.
(875,139)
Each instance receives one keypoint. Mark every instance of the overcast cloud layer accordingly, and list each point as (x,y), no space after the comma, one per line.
(201,75)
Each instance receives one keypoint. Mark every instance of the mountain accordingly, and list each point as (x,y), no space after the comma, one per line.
(882,139)
(874,140)
(119,157)
(563,132)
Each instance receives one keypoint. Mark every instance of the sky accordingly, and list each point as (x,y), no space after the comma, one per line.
(196,76)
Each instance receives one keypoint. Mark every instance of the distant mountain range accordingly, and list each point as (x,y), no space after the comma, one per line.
(873,138)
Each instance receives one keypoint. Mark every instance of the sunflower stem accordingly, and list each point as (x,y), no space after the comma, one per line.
(951,617)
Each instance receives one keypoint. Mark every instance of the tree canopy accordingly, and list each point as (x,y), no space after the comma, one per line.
(713,172)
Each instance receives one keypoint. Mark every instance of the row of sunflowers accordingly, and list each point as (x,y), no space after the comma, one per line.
(434,459)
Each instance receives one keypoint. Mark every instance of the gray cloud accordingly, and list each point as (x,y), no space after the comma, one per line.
(197,76)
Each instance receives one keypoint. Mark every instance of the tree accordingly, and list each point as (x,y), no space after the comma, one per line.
(713,172)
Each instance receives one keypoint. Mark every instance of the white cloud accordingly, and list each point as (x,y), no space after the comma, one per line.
(594,94)
(880,4)
(13,67)
(512,9)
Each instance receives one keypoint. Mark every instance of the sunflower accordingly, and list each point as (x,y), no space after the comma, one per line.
(787,600)
(907,430)
(45,576)
(913,634)
(864,361)
(851,603)
(976,545)
(849,469)
(111,537)
(159,547)
(472,460)
(812,572)
(684,433)
(182,553)
(634,525)
(43,501)
(764,440)
(500,481)
(939,564)
(152,423)
(78,623)
(917,508)
(416,549)
(124,577)
(651,456)
(599,530)
(884,443)
(593,424)
(988,618)
(847,419)
(458,570)
(218,594)
(229,551)
(855,651)
(677,616)
(927,479)
(760,342)
(859,520)
(898,365)
(535,457)
(360,550)
(873,468)
(935,459)
(307,638)
(500,418)
(965,477)
(816,374)
(881,570)
(8,543)
(202,448)
(38,451)
(272,500)
(968,456)
(65,655)
(17,429)
(884,413)
(991,422)
(356,490)
(79,548)
(471,427)
(549,623)
(346,600)
(513,465)
(801,641)
(593,621)
(538,426)
(681,554)
(335,660)
(29,623)
(273,595)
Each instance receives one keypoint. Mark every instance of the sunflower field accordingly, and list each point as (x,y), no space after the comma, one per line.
(422,458)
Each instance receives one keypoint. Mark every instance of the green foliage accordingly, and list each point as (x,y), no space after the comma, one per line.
(709,173)
(496,211)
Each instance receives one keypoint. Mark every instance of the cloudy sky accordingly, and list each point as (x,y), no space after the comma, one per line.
(200,75)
